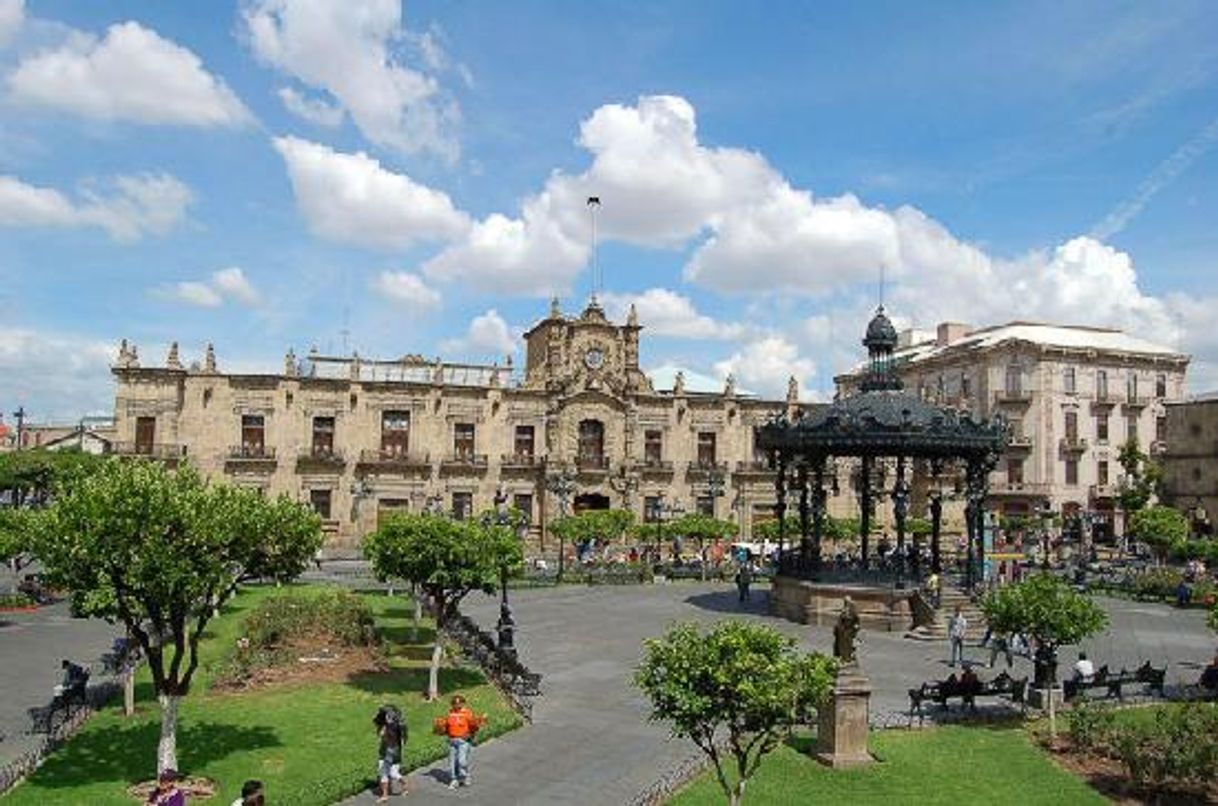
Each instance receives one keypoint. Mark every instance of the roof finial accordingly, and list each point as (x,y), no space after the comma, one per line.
(209,359)
(172,361)
(594,203)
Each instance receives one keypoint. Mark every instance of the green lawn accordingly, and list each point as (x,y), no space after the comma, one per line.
(948,765)
(310,744)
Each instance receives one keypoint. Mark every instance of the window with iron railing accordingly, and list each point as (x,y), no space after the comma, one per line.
(524,441)
(653,447)
(651,508)
(463,440)
(253,434)
(395,432)
(1015,471)
(1101,385)
(1072,426)
(706,448)
(1101,426)
(1069,381)
(323,436)
(591,441)
(1014,380)
(1101,473)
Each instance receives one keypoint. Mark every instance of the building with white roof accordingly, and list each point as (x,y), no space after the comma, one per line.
(1073,395)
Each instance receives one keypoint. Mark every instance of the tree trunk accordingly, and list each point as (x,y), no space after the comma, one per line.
(129,692)
(737,793)
(433,675)
(167,747)
(418,614)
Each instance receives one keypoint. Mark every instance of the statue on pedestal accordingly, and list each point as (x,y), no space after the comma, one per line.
(846,633)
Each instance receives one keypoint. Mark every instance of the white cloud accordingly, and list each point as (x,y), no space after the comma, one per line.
(666,313)
(352,198)
(131,74)
(56,375)
(233,283)
(766,364)
(315,110)
(135,206)
(224,285)
(488,335)
(12,16)
(353,53)
(407,288)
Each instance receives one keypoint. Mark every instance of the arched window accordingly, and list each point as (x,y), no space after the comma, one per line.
(591,440)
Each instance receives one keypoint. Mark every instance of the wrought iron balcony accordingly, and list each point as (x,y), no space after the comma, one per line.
(653,465)
(252,452)
(515,460)
(1074,444)
(1020,442)
(462,459)
(592,463)
(1013,397)
(1018,488)
(315,456)
(155,450)
(1137,402)
(1102,491)
(707,466)
(394,459)
(754,466)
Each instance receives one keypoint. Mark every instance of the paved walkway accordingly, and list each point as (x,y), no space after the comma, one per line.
(590,742)
(31,648)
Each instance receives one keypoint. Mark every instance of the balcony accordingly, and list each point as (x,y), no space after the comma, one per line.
(1018,488)
(592,463)
(654,466)
(754,467)
(1102,491)
(1134,402)
(1158,447)
(520,461)
(323,459)
(164,451)
(703,467)
(1020,442)
(1075,444)
(250,458)
(462,461)
(1012,397)
(1103,400)
(394,460)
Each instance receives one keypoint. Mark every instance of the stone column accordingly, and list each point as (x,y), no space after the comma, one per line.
(843,721)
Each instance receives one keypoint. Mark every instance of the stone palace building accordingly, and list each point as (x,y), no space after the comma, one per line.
(359,438)
(1073,395)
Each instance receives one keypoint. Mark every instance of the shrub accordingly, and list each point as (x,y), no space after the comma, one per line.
(1091,728)
(1156,583)
(16,600)
(1179,746)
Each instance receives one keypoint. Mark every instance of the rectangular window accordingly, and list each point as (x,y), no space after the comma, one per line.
(463,440)
(1101,426)
(1015,471)
(323,436)
(1072,426)
(1101,473)
(706,448)
(395,432)
(653,447)
(1101,385)
(253,433)
(1160,385)
(524,441)
(1131,387)
(463,505)
(1131,428)
(145,434)
(1160,429)
(966,385)
(1014,380)
(1069,382)
(706,505)
(320,500)
(651,508)
(1072,472)
(524,503)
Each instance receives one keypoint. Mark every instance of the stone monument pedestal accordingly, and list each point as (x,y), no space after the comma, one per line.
(842,737)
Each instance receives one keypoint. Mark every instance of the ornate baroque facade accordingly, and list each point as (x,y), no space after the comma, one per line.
(359,438)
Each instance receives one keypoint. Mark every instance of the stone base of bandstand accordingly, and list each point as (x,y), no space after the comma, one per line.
(841,739)
(806,602)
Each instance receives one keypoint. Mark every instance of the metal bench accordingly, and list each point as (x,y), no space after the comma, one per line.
(942,691)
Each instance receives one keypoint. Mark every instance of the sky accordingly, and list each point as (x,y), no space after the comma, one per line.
(385,178)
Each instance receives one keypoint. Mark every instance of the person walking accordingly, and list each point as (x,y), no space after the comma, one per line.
(391,730)
(1001,645)
(460,725)
(744,578)
(932,588)
(956,628)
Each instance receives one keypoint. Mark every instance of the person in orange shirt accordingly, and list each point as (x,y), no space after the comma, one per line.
(460,726)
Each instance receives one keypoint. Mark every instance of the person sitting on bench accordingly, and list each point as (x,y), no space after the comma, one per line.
(73,676)
(1084,669)
(1209,676)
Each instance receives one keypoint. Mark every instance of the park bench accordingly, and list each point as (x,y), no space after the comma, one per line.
(62,705)
(942,691)
(1115,683)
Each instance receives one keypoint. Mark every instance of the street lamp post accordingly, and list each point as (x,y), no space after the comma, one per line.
(1046,513)
(506,626)
(562,485)
(715,488)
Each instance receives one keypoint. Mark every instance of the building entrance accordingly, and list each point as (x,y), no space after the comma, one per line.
(590,501)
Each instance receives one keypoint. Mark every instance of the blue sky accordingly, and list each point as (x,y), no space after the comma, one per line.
(269,174)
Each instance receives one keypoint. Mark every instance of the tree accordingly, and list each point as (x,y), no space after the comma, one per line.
(609,525)
(446,559)
(696,526)
(28,478)
(1142,477)
(14,539)
(160,551)
(734,691)
(1045,608)
(1160,527)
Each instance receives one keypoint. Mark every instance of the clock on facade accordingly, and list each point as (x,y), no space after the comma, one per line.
(594,358)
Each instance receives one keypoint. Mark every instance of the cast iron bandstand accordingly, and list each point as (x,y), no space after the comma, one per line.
(884,435)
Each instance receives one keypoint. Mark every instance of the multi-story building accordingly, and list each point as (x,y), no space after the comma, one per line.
(1190,459)
(359,438)
(1073,396)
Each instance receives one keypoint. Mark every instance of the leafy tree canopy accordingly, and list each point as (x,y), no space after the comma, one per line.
(696,526)
(1046,608)
(1142,477)
(30,477)
(735,691)
(598,524)
(1159,527)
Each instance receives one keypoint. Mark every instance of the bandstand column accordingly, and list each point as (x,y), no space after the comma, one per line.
(900,507)
(936,526)
(801,478)
(865,515)
(780,505)
(818,512)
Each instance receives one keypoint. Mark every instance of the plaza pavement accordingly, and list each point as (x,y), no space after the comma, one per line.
(31,648)
(590,742)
